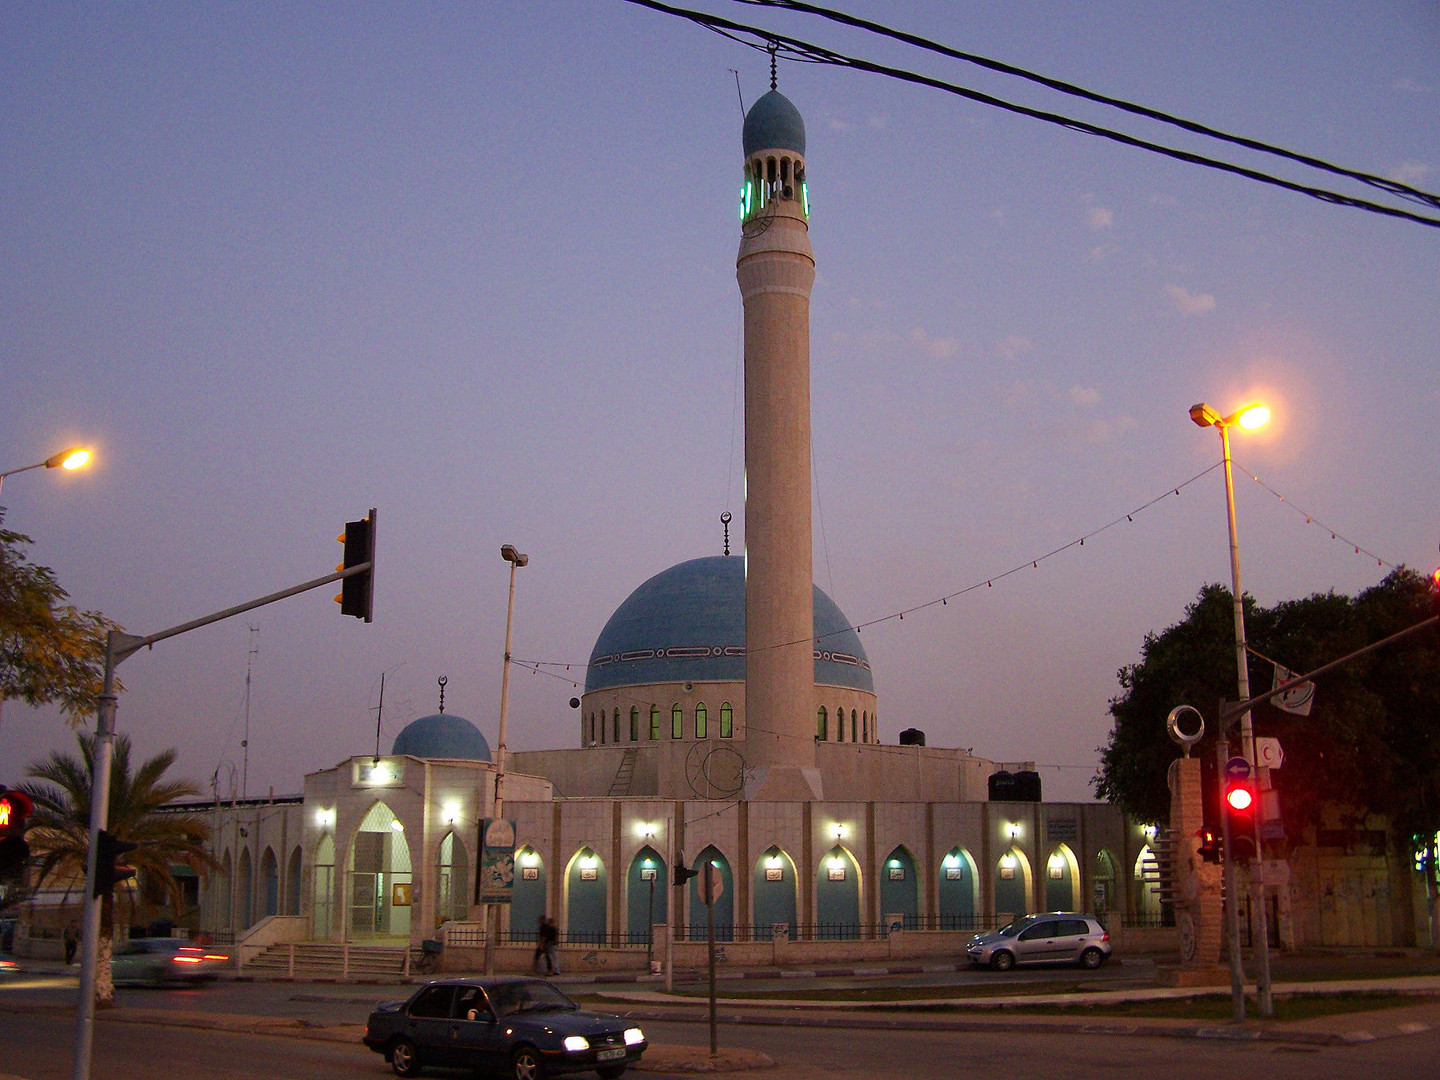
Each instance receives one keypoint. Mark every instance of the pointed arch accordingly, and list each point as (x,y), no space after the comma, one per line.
(837,895)
(585,907)
(725,906)
(959,891)
(1012,885)
(292,882)
(1106,883)
(452,879)
(646,895)
(1062,880)
(773,889)
(269,883)
(899,888)
(244,891)
(378,873)
(527,903)
(323,914)
(1147,900)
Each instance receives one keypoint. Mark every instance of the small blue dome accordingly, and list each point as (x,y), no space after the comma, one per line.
(442,737)
(687,624)
(773,123)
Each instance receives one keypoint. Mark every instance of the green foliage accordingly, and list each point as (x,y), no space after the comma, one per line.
(1371,743)
(50,651)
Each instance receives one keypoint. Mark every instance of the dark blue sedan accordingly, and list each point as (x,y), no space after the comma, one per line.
(523,1027)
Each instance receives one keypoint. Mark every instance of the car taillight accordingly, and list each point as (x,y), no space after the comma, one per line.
(186,959)
(222,956)
(1105,936)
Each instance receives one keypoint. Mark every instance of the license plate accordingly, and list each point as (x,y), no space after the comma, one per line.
(610,1055)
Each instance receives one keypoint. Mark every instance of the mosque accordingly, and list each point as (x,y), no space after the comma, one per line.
(729,718)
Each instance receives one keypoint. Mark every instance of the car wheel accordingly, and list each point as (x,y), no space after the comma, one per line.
(610,1072)
(403,1058)
(1002,960)
(525,1064)
(1092,959)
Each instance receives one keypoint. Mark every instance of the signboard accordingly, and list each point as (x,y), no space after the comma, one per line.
(711,883)
(400,894)
(1237,768)
(497,860)
(1062,830)
(1268,754)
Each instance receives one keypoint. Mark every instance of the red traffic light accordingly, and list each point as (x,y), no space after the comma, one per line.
(15,807)
(1240,798)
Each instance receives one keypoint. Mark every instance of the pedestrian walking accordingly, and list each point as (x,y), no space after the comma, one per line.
(72,941)
(548,940)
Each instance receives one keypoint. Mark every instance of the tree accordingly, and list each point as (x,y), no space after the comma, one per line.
(59,833)
(50,651)
(1371,744)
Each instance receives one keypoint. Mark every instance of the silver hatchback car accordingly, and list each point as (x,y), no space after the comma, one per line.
(1057,937)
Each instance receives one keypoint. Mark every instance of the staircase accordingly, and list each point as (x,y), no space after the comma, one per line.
(620,786)
(326,960)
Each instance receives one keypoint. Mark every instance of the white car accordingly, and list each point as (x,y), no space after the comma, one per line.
(156,961)
(1057,937)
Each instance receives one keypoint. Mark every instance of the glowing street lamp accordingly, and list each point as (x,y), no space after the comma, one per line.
(1250,417)
(75,457)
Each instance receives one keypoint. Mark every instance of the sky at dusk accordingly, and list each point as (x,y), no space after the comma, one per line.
(473,264)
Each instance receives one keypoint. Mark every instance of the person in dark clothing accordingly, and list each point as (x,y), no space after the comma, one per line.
(547,939)
(72,941)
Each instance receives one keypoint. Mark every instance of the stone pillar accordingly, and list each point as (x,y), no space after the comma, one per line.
(1198,907)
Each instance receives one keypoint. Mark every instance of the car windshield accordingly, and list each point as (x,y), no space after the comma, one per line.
(1010,929)
(529,997)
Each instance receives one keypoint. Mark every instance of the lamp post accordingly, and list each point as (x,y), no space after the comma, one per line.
(74,458)
(516,559)
(1250,418)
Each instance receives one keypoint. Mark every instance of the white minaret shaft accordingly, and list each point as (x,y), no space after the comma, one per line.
(776,268)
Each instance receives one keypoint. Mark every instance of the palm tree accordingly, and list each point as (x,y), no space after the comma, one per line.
(59,831)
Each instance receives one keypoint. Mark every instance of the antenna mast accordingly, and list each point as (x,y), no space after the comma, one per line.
(252,651)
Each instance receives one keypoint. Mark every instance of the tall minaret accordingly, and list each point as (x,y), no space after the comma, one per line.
(776,269)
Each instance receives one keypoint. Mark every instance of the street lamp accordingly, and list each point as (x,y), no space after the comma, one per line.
(1250,417)
(516,559)
(74,458)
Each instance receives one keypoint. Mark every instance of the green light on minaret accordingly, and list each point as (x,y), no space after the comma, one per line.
(805,197)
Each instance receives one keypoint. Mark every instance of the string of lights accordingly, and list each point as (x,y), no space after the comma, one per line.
(804,51)
(1310,519)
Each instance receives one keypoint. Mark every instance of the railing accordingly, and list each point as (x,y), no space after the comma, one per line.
(1145,920)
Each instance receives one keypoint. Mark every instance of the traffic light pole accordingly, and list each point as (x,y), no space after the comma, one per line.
(119,647)
(1232,910)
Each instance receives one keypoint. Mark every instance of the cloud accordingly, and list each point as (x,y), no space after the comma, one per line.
(839,125)
(1411,173)
(1411,86)
(1187,303)
(1012,346)
(1094,432)
(1085,395)
(1099,218)
(937,348)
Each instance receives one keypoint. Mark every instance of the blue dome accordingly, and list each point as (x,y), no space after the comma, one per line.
(773,123)
(687,624)
(442,737)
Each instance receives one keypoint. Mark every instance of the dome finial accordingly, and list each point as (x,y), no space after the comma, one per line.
(725,521)
(772,47)
(442,681)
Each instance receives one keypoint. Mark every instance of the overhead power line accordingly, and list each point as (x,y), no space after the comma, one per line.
(807,52)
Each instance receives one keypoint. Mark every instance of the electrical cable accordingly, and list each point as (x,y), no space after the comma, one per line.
(804,51)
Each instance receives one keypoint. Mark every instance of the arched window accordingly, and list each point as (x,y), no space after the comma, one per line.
(602,728)
(839,725)
(634,723)
(677,722)
(615,731)
(702,721)
(592,728)
(727,721)
(852,726)
(654,721)
(865,727)
(822,725)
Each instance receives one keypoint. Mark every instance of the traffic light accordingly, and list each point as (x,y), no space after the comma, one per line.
(681,874)
(107,873)
(1212,848)
(1240,802)
(15,807)
(357,592)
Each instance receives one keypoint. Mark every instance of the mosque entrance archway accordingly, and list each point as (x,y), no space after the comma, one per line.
(1062,880)
(773,889)
(837,896)
(245,892)
(292,884)
(724,906)
(527,901)
(959,894)
(379,878)
(585,919)
(899,889)
(646,895)
(1105,882)
(270,880)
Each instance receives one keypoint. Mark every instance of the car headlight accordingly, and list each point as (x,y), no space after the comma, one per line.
(634,1036)
(575,1043)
